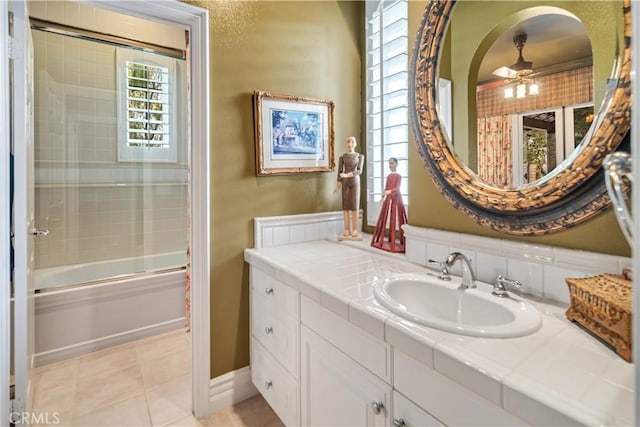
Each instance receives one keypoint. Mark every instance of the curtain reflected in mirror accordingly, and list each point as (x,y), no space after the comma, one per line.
(495,159)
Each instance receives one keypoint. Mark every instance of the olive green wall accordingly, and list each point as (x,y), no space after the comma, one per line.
(303,48)
(428,208)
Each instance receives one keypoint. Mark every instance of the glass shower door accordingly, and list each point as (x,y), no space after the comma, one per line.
(111,159)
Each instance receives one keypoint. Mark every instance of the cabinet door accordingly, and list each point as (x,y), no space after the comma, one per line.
(336,390)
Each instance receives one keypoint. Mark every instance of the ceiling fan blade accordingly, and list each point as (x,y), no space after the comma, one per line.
(505,72)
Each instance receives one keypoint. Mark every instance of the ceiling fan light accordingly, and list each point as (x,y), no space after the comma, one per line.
(508,92)
(521,90)
(534,89)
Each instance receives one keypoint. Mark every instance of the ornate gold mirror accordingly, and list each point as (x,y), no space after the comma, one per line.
(516,105)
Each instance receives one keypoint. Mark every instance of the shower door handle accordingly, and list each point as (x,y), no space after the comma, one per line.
(37,232)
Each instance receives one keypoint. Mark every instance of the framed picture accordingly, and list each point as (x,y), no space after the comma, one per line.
(293,134)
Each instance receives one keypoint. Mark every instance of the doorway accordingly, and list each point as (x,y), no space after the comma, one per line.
(195,21)
(546,138)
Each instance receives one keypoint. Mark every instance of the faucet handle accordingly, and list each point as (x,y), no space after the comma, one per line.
(500,286)
(444,269)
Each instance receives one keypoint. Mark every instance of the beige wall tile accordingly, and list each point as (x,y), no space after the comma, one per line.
(37,8)
(72,14)
(86,15)
(55,11)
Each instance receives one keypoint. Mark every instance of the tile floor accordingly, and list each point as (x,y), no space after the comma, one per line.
(142,383)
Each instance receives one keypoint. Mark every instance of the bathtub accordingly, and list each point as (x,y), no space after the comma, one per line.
(94,312)
(76,274)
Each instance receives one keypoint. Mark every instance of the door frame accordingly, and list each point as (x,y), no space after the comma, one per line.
(196,20)
(635,198)
(5,233)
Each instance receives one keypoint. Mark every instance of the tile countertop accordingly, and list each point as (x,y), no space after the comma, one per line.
(560,366)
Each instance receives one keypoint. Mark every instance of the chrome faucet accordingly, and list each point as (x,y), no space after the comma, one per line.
(468,276)
(444,270)
(500,286)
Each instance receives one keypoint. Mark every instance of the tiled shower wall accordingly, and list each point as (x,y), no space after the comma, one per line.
(95,207)
(99,223)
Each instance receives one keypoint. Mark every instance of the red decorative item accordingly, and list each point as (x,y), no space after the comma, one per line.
(392,214)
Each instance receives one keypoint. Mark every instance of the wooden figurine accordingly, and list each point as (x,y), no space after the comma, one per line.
(349,171)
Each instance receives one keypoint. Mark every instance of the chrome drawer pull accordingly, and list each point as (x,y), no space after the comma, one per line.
(377,407)
(268,330)
(269,291)
(268,384)
(399,422)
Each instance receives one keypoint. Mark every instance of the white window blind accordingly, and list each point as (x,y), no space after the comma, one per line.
(146,107)
(387,98)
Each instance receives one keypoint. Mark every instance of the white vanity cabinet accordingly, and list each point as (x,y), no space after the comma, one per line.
(315,368)
(275,331)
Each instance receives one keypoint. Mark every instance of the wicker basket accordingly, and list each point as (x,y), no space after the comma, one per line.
(602,304)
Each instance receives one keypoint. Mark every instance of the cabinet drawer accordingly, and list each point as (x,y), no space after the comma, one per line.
(361,346)
(408,414)
(445,399)
(279,295)
(276,331)
(279,388)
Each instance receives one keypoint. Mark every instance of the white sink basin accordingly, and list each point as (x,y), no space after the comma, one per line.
(432,302)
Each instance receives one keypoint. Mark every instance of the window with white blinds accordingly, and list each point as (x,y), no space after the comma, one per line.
(387,97)
(146,107)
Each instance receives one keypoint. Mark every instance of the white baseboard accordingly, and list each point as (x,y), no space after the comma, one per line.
(230,388)
(63,353)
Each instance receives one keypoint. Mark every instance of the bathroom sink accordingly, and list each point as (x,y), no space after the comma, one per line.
(432,302)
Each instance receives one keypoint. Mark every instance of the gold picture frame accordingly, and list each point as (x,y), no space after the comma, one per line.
(293,134)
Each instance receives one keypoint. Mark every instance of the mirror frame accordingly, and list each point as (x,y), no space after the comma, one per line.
(565,197)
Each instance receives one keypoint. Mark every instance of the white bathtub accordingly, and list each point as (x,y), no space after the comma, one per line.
(76,274)
(73,320)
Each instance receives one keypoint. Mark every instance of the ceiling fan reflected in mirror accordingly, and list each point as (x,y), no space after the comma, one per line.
(519,75)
